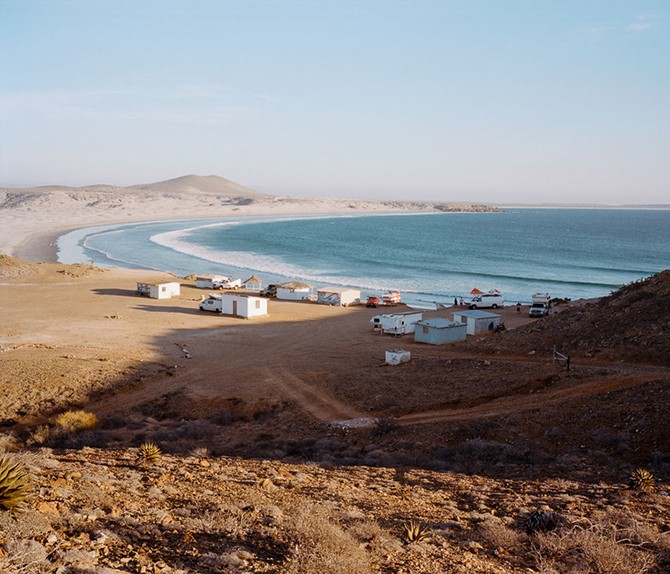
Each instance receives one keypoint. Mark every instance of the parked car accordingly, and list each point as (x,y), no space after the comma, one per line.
(373,301)
(269,291)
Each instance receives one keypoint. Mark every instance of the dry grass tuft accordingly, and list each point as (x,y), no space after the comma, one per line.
(74,421)
(323,546)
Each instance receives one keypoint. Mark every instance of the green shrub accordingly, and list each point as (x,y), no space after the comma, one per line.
(14,485)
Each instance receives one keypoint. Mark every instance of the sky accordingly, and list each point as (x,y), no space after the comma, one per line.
(455,100)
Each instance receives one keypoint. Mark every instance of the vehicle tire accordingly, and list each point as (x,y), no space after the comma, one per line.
(220,287)
(494,306)
(473,306)
(236,287)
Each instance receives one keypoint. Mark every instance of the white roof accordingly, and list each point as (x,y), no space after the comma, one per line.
(337,289)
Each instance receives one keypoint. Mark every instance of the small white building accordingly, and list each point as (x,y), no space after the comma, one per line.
(295,291)
(439,331)
(158,290)
(207,281)
(242,305)
(338,296)
(396,323)
(478,321)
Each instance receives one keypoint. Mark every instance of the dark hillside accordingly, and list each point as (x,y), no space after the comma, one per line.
(631,324)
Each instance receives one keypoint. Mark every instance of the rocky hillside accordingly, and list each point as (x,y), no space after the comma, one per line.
(107,511)
(631,324)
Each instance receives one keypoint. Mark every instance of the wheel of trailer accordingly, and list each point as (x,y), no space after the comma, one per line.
(495,306)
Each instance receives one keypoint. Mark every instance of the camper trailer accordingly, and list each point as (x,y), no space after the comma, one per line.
(396,323)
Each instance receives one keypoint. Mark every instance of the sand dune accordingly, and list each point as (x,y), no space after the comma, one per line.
(32,218)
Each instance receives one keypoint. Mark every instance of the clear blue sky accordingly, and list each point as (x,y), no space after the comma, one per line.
(496,100)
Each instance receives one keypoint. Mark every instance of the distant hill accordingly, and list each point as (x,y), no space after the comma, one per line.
(212,184)
(188,184)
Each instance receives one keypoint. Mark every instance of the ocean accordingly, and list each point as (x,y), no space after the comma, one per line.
(429,258)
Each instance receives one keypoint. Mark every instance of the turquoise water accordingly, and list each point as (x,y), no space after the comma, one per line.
(575,253)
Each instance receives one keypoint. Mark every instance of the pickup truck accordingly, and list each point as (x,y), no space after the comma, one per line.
(227,283)
(538,310)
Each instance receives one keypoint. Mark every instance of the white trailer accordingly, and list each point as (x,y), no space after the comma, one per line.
(396,323)
(207,281)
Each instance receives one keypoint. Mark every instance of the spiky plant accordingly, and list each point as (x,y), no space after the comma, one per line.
(641,479)
(14,485)
(149,453)
(415,531)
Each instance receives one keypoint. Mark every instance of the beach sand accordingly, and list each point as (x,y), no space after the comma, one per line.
(78,335)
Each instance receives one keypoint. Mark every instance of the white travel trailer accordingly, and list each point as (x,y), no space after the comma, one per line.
(157,290)
(396,323)
(338,296)
(295,291)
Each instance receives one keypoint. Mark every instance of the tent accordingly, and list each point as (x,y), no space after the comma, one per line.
(476,291)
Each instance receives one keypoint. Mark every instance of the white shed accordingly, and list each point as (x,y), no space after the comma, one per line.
(338,296)
(439,331)
(478,321)
(294,291)
(157,290)
(242,305)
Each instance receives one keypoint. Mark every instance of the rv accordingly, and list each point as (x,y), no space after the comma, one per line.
(540,304)
(396,323)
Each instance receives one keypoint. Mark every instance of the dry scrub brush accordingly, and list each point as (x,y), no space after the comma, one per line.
(612,543)
(73,421)
(322,546)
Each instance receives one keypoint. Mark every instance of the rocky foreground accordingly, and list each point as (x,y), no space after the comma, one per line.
(103,511)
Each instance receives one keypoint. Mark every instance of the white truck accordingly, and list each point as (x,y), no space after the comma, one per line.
(226,283)
(487,301)
(212,303)
(539,305)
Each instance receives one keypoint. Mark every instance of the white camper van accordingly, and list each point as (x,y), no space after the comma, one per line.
(540,304)
(212,303)
(487,301)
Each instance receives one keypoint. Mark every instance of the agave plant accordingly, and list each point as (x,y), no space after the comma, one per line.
(14,485)
(641,479)
(415,531)
(149,453)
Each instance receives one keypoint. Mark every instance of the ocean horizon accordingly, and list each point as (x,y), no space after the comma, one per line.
(429,257)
